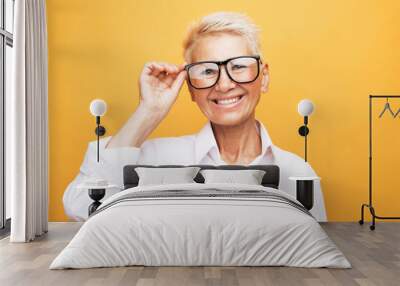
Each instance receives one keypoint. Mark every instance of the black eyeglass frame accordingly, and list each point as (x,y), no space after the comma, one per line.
(220,63)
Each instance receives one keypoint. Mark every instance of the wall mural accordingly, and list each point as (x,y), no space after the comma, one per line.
(226,74)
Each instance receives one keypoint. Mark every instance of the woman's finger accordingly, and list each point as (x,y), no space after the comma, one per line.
(149,67)
(177,84)
(169,68)
(157,69)
(161,69)
(170,79)
(182,66)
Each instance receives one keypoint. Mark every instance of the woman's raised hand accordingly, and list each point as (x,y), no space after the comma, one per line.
(159,85)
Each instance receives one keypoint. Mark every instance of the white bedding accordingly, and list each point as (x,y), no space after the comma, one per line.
(182,231)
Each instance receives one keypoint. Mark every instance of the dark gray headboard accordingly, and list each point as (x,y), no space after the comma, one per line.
(270,179)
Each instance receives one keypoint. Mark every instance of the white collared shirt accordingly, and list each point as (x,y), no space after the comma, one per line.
(200,148)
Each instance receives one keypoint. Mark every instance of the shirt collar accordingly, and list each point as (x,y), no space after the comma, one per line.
(205,142)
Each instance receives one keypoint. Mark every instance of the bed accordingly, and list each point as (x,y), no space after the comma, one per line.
(201,224)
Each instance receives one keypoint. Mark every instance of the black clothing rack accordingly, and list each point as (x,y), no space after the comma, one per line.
(370,205)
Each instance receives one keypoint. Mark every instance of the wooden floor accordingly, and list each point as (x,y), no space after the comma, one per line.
(375,257)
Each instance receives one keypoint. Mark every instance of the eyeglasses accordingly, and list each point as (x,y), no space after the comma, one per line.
(205,74)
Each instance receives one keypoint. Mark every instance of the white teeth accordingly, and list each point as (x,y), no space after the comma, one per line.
(228,101)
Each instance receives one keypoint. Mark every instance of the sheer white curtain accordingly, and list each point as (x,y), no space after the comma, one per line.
(27,128)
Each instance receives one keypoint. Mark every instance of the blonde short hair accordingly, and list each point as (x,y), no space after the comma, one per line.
(222,22)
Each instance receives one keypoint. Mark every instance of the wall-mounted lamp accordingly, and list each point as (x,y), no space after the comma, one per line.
(98,108)
(305,109)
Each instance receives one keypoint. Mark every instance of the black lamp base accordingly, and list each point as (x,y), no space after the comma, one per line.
(305,193)
(96,195)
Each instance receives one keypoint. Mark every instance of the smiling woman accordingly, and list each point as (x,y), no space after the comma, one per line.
(226,76)
(227,97)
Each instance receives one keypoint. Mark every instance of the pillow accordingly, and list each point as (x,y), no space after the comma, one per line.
(162,176)
(248,177)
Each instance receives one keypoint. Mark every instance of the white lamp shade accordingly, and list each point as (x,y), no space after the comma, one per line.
(305,107)
(98,107)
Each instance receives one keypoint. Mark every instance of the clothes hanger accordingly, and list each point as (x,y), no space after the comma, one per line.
(387,107)
(397,113)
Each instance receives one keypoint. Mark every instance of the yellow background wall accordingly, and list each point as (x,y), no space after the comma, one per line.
(335,53)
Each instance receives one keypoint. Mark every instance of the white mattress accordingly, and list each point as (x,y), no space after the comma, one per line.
(183,231)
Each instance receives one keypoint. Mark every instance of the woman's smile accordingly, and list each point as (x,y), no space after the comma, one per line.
(227,102)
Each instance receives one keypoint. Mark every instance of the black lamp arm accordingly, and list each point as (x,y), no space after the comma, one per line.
(99,131)
(303,131)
